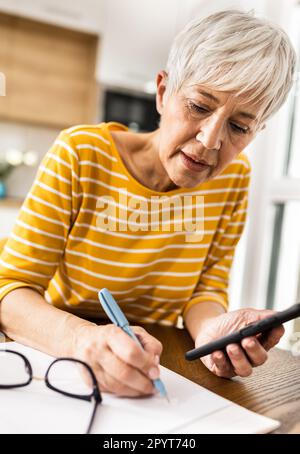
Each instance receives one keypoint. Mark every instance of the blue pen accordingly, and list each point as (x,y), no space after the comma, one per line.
(117,317)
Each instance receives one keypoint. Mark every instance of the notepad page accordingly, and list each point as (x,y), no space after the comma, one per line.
(192,409)
(230,420)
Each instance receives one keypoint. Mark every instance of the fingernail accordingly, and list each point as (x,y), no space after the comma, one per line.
(251,344)
(234,351)
(156,359)
(153,373)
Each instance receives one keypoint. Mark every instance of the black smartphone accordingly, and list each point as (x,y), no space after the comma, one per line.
(251,330)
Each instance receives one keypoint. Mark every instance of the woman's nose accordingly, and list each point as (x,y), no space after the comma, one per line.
(211,133)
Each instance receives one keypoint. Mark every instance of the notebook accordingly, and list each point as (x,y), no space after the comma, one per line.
(192,409)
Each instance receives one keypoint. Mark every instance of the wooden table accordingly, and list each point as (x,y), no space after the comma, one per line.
(272,390)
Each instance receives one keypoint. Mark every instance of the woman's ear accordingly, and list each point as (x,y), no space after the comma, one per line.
(161,83)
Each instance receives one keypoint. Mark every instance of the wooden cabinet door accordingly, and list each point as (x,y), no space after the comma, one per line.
(50,73)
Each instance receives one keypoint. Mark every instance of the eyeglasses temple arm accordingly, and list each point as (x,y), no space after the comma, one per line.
(96,402)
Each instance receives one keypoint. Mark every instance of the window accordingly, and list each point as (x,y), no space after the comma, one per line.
(271,271)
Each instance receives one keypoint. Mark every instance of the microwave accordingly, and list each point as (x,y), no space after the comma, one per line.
(135,111)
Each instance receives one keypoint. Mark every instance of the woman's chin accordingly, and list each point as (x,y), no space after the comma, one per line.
(184,178)
(184,182)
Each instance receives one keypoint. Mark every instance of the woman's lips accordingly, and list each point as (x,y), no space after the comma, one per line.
(191,164)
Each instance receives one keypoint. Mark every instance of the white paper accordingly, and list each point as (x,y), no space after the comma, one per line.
(192,409)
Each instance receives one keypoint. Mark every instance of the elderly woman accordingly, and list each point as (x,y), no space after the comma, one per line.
(107,203)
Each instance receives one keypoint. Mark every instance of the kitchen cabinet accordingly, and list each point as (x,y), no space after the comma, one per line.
(50,73)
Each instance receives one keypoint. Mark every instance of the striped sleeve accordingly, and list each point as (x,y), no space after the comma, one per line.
(37,241)
(214,279)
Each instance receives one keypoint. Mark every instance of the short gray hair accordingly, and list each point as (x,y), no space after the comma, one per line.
(235,51)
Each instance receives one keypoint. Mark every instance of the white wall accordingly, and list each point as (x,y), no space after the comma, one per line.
(85,15)
(136,39)
(137,36)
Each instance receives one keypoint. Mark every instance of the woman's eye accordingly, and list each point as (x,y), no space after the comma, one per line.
(238,129)
(198,108)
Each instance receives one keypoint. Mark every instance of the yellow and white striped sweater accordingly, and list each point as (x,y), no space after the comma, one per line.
(58,248)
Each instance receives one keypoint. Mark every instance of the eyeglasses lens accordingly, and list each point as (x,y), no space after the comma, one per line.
(70,377)
(13,370)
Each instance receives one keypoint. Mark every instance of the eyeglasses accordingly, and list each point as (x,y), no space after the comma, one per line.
(63,376)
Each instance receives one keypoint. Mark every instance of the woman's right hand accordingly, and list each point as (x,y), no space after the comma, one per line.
(120,365)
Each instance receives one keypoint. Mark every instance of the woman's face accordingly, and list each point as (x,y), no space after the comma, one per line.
(201,131)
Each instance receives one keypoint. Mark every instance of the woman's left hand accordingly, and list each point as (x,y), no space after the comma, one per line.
(238,359)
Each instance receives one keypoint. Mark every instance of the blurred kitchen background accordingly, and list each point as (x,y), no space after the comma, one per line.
(87,61)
